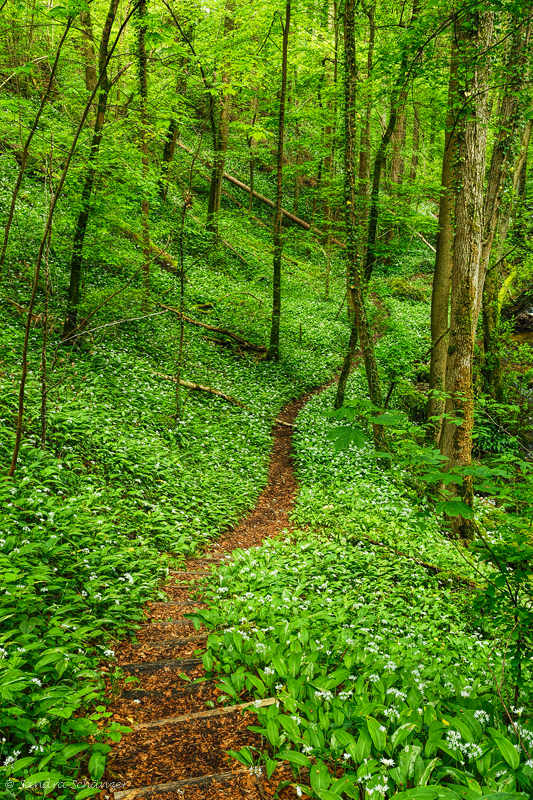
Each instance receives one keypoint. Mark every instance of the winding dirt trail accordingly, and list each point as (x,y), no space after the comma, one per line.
(180,733)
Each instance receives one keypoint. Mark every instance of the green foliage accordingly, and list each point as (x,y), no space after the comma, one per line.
(381,639)
(405,289)
(395,691)
(497,428)
(120,481)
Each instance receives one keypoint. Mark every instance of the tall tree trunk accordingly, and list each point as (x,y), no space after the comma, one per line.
(398,147)
(363,193)
(440,297)
(492,368)
(397,167)
(169,148)
(220,132)
(509,113)
(415,144)
(41,253)
(220,146)
(83,216)
(331,142)
(473,35)
(143,95)
(355,284)
(346,367)
(88,51)
(250,141)
(273,348)
(398,98)
(173,130)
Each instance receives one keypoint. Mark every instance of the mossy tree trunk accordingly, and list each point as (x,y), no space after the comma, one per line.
(510,113)
(397,105)
(363,190)
(143,95)
(220,118)
(440,298)
(355,284)
(88,51)
(273,348)
(74,289)
(473,33)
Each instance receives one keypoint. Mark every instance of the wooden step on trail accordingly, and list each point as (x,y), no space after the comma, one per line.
(183,664)
(188,574)
(213,559)
(212,712)
(169,622)
(170,604)
(199,637)
(172,786)
(182,691)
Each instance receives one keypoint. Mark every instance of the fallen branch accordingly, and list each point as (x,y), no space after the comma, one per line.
(198,387)
(176,786)
(266,200)
(37,320)
(235,252)
(161,257)
(211,712)
(285,424)
(433,568)
(245,208)
(425,241)
(257,348)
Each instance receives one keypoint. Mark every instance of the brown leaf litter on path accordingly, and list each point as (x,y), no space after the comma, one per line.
(186,758)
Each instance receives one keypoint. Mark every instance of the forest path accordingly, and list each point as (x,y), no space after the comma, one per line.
(180,732)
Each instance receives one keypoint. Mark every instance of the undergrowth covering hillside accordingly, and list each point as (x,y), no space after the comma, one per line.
(123,482)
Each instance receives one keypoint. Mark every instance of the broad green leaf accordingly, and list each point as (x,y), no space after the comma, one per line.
(290,727)
(49,780)
(273,732)
(243,756)
(319,776)
(97,765)
(428,769)
(455,508)
(377,734)
(295,757)
(507,749)
(402,733)
(89,792)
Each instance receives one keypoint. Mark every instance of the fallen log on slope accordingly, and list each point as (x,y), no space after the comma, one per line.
(199,387)
(161,257)
(210,390)
(266,201)
(240,340)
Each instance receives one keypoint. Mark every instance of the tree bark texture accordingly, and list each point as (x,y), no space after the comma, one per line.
(440,298)
(355,285)
(273,348)
(83,216)
(473,35)
(143,96)
(220,118)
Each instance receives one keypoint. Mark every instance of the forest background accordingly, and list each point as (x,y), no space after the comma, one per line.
(207,209)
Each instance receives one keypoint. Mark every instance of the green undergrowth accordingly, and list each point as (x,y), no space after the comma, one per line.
(379,668)
(86,520)
(385,669)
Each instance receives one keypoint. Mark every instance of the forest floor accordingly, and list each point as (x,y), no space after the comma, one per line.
(180,732)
